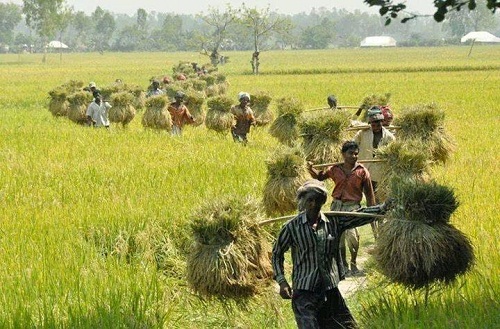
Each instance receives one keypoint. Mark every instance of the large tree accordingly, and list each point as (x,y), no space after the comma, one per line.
(218,22)
(466,20)
(263,23)
(390,10)
(104,26)
(10,16)
(46,17)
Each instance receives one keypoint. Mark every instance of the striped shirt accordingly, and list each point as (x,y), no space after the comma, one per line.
(315,253)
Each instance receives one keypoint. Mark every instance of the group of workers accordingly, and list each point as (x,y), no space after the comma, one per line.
(318,242)
(98,109)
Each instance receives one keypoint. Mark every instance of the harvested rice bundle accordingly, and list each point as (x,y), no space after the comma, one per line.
(59,104)
(107,91)
(285,127)
(219,117)
(209,79)
(323,134)
(260,106)
(123,110)
(407,159)
(78,103)
(222,88)
(230,255)
(416,247)
(198,85)
(219,78)
(194,101)
(172,88)
(183,67)
(426,122)
(212,91)
(286,172)
(157,115)
(139,96)
(371,100)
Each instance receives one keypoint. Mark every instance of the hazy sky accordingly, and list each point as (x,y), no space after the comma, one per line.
(197,6)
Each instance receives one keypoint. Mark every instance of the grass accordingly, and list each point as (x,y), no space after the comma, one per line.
(59,182)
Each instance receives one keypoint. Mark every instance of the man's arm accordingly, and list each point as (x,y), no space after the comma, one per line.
(281,245)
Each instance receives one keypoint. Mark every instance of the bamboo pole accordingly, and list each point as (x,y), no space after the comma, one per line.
(366,127)
(331,213)
(328,108)
(337,163)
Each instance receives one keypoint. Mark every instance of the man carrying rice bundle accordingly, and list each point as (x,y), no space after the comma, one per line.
(97,112)
(314,238)
(244,118)
(154,89)
(369,140)
(180,113)
(352,180)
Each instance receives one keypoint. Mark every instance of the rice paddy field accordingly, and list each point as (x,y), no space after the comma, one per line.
(94,223)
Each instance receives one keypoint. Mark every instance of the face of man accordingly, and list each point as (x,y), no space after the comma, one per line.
(376,125)
(350,156)
(313,202)
(244,101)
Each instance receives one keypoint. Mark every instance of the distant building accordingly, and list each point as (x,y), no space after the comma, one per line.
(480,36)
(378,41)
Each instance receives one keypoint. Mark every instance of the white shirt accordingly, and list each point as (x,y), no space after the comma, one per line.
(364,138)
(99,113)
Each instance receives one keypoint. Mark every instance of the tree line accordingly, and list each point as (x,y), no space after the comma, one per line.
(217,30)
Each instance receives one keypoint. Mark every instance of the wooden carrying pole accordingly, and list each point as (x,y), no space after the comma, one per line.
(331,213)
(337,163)
(328,108)
(367,126)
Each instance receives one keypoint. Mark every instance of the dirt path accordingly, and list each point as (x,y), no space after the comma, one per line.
(352,283)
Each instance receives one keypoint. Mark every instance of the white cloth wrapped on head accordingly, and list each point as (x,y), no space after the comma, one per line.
(243,94)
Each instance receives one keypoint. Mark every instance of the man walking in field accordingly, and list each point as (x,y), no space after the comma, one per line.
(314,240)
(180,114)
(97,112)
(244,118)
(352,180)
(369,140)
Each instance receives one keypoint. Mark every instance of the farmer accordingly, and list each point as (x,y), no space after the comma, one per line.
(332,102)
(155,89)
(369,140)
(352,180)
(388,116)
(180,113)
(244,118)
(97,112)
(314,239)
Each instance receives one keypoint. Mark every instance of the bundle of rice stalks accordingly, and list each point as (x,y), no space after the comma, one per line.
(209,79)
(212,91)
(222,88)
(285,127)
(183,67)
(123,110)
(323,134)
(157,115)
(260,106)
(219,78)
(198,85)
(230,254)
(371,100)
(114,88)
(139,96)
(59,104)
(426,122)
(172,88)
(408,159)
(219,117)
(286,172)
(194,101)
(417,246)
(78,103)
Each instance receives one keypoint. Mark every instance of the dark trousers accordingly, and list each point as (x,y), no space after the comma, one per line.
(317,310)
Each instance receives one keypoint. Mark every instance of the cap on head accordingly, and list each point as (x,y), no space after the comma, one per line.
(312,185)
(179,94)
(92,84)
(375,114)
(243,94)
(332,101)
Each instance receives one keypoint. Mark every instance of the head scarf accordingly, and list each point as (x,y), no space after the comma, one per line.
(243,94)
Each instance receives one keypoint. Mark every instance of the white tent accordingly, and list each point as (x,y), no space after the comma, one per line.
(57,45)
(480,36)
(378,41)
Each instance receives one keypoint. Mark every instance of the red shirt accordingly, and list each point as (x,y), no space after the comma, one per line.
(180,115)
(349,187)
